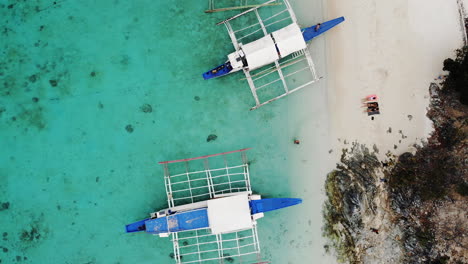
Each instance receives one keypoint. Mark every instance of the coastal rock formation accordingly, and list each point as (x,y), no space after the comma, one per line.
(358,219)
(411,208)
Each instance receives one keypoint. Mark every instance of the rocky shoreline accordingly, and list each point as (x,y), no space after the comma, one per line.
(411,208)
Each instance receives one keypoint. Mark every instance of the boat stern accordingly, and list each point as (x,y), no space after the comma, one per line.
(219,71)
(136,227)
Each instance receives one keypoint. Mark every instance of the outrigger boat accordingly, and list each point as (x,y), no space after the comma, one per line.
(212,213)
(282,43)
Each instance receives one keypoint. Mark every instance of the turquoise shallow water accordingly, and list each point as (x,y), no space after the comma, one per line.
(92,95)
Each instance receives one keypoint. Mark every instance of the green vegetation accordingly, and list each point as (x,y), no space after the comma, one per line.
(432,176)
(427,173)
(441,260)
(335,220)
(457,80)
(424,237)
(462,189)
(432,171)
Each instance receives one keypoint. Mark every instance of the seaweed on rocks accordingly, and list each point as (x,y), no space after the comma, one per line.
(351,189)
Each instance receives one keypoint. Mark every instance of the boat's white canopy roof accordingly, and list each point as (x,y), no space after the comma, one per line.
(260,52)
(229,214)
(289,39)
(263,51)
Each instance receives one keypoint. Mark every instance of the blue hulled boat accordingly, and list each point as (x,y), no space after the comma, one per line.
(238,60)
(209,214)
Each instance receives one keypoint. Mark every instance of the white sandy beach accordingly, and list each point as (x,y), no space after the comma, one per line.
(393,49)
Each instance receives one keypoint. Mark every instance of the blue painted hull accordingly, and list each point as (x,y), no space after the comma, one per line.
(221,70)
(190,220)
(311,32)
(196,219)
(136,227)
(271,204)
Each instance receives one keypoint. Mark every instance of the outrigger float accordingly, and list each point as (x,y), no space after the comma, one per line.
(281,42)
(212,213)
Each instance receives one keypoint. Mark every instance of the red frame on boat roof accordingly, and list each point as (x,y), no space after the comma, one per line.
(203,157)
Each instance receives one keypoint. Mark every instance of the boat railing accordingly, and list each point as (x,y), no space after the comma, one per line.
(243,4)
(202,246)
(261,21)
(186,185)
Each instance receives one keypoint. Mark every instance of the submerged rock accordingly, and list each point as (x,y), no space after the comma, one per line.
(350,212)
(146,108)
(53,83)
(211,137)
(5,206)
(31,235)
(129,128)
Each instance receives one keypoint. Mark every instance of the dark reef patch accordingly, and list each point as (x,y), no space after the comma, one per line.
(32,78)
(124,60)
(146,108)
(5,206)
(35,99)
(196,98)
(211,137)
(92,74)
(129,128)
(53,83)
(30,235)
(32,117)
(34,234)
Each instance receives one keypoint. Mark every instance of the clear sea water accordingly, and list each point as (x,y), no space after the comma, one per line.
(92,95)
